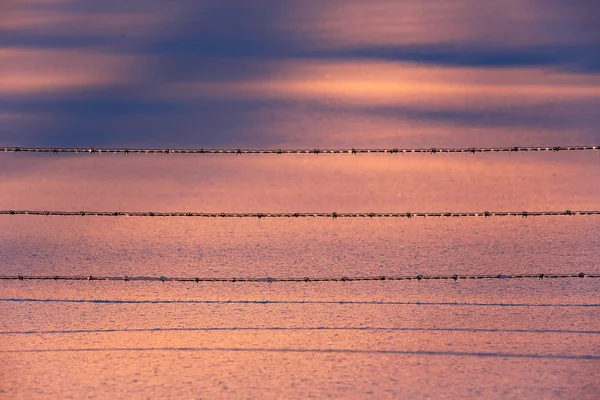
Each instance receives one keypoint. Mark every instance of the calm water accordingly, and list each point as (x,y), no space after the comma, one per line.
(507,339)
(444,339)
(305,73)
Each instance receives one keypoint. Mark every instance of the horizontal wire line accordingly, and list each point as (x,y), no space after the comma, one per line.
(455,277)
(333,215)
(432,150)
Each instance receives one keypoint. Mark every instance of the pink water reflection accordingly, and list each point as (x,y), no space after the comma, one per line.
(299,74)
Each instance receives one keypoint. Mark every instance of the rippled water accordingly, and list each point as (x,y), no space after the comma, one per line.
(388,339)
(441,339)
(489,339)
(310,73)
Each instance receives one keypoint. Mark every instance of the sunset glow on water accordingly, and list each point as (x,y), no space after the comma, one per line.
(299,74)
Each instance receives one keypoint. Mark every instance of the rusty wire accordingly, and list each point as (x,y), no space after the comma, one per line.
(332,215)
(423,277)
(239,151)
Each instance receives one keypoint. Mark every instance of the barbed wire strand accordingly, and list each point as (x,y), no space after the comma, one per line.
(455,277)
(333,215)
(433,150)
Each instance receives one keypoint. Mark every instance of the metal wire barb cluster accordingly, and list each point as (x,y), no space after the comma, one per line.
(333,215)
(455,277)
(433,150)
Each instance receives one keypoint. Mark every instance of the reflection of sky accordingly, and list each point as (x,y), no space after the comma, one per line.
(306,73)
(275,73)
(310,73)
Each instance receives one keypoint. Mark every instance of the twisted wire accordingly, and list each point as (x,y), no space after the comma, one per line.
(454,277)
(333,215)
(432,150)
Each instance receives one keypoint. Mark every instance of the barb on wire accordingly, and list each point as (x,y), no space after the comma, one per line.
(433,150)
(332,215)
(455,277)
